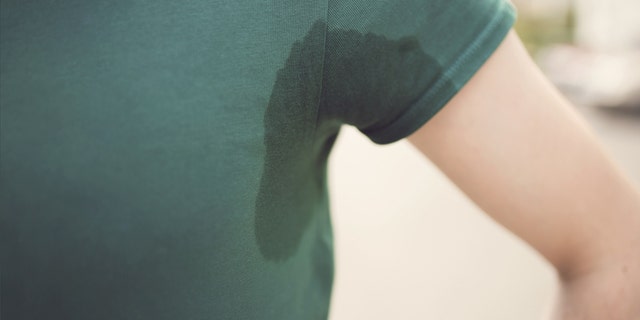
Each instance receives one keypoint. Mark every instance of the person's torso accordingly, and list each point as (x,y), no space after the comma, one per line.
(167,160)
(137,181)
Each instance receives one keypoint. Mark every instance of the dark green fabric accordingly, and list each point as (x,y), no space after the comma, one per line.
(167,159)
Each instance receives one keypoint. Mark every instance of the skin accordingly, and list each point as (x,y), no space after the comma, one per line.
(512,143)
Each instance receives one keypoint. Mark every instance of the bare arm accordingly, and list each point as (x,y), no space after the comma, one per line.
(514,145)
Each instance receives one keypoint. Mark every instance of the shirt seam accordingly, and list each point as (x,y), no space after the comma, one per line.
(322,72)
(377,134)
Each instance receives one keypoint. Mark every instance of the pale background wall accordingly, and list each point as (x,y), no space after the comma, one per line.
(606,25)
(410,245)
(611,25)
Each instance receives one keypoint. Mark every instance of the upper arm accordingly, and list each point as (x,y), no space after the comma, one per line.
(514,145)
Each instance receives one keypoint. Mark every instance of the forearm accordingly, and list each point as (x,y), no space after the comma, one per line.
(603,280)
(612,293)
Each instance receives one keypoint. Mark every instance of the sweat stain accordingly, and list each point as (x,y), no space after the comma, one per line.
(365,80)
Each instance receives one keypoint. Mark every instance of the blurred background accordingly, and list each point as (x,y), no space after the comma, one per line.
(410,245)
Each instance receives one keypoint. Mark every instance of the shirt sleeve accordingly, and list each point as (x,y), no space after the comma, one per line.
(390,66)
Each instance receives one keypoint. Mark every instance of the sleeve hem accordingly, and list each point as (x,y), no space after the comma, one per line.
(434,99)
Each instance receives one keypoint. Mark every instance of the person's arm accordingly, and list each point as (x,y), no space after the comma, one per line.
(517,148)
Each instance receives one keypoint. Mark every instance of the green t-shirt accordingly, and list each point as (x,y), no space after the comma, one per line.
(167,159)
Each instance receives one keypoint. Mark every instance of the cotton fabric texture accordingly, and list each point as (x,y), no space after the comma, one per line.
(167,159)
